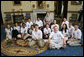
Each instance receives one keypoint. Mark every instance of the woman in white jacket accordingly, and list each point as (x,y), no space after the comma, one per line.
(8,31)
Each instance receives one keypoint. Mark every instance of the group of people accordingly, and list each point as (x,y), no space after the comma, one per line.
(41,30)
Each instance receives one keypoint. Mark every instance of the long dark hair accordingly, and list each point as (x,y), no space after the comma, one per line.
(65,28)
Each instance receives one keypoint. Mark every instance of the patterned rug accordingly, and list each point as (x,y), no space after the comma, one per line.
(11,49)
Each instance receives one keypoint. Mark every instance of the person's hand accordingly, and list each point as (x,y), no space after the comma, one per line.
(39,39)
(46,36)
(76,39)
(34,39)
(71,39)
(64,46)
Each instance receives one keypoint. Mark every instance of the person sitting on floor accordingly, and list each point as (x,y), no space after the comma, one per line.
(56,39)
(39,23)
(64,31)
(15,31)
(29,23)
(54,25)
(8,31)
(47,31)
(76,37)
(24,33)
(70,30)
(31,29)
(37,38)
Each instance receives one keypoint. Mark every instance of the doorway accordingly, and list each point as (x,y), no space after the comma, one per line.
(58,8)
(41,15)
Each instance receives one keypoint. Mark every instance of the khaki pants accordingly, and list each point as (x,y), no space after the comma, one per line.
(27,35)
(74,43)
(8,37)
(40,43)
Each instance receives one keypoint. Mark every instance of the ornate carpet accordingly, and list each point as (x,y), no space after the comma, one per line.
(12,49)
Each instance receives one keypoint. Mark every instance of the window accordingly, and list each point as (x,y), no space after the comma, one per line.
(76,2)
(17,2)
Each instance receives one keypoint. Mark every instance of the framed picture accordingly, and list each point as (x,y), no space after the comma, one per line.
(76,2)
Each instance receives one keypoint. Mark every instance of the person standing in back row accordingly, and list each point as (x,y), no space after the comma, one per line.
(47,19)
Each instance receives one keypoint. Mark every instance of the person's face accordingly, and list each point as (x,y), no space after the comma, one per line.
(55,29)
(36,28)
(29,20)
(8,26)
(76,27)
(54,21)
(38,19)
(24,25)
(22,21)
(48,14)
(16,24)
(32,27)
(47,26)
(64,19)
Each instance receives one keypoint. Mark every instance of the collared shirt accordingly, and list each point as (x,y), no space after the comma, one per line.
(28,25)
(77,34)
(17,28)
(8,31)
(47,31)
(56,36)
(39,23)
(71,30)
(52,26)
(37,34)
(24,30)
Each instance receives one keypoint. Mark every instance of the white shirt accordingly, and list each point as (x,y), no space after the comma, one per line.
(39,23)
(66,22)
(77,34)
(47,31)
(65,33)
(24,30)
(8,31)
(17,28)
(71,30)
(28,25)
(52,26)
(37,34)
(56,36)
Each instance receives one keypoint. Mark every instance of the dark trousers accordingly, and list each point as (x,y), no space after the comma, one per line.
(15,33)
